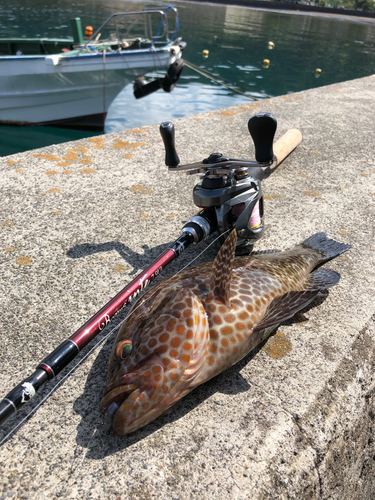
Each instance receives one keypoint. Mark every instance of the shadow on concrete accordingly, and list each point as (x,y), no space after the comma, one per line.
(87,405)
(97,381)
(139,261)
(107,443)
(104,443)
(134,259)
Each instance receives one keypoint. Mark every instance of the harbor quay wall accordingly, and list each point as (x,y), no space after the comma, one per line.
(78,221)
(286,5)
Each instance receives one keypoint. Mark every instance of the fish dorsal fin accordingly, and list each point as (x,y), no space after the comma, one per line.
(221,271)
(265,252)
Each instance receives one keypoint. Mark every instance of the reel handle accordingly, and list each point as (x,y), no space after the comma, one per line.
(262,128)
(286,144)
(167,134)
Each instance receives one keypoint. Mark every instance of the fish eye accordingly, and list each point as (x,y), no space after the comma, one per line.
(124,349)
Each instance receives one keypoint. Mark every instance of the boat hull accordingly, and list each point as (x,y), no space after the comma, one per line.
(71,90)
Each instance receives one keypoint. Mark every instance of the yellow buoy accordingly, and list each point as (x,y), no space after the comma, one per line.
(271,45)
(205,53)
(318,71)
(266,63)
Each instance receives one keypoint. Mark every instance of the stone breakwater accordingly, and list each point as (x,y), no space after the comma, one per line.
(295,418)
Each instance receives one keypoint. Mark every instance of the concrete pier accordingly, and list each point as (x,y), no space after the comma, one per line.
(295,418)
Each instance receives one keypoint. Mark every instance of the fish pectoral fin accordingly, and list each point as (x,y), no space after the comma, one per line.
(197,346)
(285,307)
(221,271)
(322,279)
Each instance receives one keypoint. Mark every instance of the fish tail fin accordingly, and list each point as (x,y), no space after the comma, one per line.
(327,248)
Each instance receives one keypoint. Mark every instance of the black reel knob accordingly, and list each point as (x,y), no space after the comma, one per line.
(215,158)
(167,134)
(262,128)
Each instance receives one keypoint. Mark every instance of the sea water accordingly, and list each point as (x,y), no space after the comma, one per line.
(237,40)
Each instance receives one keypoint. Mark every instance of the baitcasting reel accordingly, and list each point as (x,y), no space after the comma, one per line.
(230,192)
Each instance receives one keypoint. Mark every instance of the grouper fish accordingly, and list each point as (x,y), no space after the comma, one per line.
(192,326)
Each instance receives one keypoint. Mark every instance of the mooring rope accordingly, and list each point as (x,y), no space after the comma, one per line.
(212,77)
(104,83)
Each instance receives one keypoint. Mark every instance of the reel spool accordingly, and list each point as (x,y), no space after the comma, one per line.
(230,191)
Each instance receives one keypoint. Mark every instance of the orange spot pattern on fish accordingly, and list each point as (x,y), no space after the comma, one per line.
(196,324)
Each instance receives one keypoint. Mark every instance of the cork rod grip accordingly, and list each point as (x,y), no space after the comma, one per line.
(285,145)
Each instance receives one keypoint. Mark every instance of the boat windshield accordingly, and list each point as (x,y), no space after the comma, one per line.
(131,30)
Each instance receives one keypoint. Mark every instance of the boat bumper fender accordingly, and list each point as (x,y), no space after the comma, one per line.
(141,88)
(173,75)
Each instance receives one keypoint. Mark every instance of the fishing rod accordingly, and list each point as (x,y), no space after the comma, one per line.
(229,195)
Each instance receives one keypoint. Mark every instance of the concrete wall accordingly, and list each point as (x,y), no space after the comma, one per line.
(294,5)
(295,419)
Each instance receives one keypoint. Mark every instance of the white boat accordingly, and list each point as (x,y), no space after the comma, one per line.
(73,82)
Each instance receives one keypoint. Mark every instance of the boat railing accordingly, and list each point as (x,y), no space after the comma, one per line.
(162,33)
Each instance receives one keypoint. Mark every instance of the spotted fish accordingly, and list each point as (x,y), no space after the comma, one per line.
(195,325)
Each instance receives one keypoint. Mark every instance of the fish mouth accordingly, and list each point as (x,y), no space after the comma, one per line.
(117,393)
